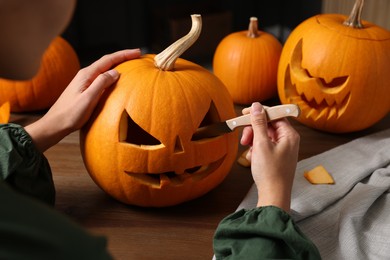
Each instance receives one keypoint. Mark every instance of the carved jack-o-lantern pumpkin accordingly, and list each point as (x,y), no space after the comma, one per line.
(139,145)
(337,72)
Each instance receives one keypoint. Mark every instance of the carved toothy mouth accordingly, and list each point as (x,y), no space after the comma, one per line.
(319,103)
(176,178)
(317,97)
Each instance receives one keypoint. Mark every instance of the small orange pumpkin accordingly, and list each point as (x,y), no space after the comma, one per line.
(5,112)
(139,145)
(247,63)
(59,65)
(336,69)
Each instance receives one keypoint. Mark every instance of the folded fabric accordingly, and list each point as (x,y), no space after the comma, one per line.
(350,219)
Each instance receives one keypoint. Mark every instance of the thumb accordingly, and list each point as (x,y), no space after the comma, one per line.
(259,121)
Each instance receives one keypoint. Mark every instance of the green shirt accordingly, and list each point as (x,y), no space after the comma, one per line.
(262,233)
(30,229)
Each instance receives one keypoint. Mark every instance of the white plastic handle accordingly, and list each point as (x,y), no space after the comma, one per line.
(273,113)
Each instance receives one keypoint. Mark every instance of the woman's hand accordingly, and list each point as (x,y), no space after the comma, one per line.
(273,156)
(75,105)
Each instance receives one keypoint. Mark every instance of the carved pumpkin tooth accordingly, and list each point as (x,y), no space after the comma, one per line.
(164,179)
(313,113)
(324,112)
(343,105)
(327,80)
(303,106)
(329,100)
(332,113)
(318,99)
(299,90)
(308,96)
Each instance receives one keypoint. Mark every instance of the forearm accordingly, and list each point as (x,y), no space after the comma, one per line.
(275,194)
(46,132)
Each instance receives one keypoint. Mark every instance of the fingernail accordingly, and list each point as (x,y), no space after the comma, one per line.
(256,108)
(137,51)
(113,73)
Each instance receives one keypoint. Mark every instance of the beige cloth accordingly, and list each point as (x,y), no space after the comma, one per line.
(350,219)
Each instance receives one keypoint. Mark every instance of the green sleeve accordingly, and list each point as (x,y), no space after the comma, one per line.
(262,233)
(22,166)
(33,230)
(30,229)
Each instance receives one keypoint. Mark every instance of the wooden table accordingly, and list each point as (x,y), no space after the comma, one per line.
(180,232)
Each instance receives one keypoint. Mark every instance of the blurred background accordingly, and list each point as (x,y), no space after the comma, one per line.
(99,27)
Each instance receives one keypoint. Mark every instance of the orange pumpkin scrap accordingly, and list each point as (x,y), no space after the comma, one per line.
(139,146)
(59,65)
(247,63)
(318,175)
(336,68)
(5,112)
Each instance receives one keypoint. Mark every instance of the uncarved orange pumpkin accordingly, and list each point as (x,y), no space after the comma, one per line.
(58,67)
(336,68)
(247,63)
(139,145)
(5,112)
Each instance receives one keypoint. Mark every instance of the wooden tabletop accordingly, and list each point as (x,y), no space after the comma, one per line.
(180,232)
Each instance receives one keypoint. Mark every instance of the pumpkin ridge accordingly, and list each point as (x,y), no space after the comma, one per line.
(187,79)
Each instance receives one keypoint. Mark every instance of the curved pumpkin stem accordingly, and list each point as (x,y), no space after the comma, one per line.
(166,59)
(253,31)
(354,20)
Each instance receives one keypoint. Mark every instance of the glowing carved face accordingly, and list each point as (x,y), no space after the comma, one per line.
(139,146)
(336,74)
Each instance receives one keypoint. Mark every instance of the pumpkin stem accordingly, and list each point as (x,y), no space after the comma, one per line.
(253,31)
(166,59)
(354,20)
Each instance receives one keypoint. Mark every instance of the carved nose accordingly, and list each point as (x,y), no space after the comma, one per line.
(178,146)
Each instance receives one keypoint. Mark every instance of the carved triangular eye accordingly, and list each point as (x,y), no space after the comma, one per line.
(210,118)
(131,132)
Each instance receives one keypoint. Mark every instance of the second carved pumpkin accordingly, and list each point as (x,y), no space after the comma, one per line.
(336,70)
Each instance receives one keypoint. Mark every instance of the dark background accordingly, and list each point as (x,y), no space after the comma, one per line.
(99,26)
